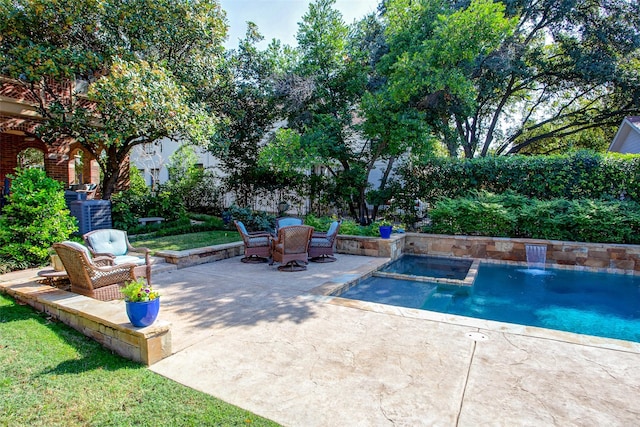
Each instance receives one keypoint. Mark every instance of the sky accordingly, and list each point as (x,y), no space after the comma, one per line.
(278,19)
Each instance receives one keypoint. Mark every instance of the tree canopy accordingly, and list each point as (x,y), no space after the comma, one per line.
(507,75)
(146,63)
(349,102)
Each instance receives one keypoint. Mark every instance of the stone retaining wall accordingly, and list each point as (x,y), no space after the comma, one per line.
(595,256)
(371,246)
(203,255)
(105,322)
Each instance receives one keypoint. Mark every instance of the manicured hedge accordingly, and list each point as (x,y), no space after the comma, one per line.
(581,175)
(511,215)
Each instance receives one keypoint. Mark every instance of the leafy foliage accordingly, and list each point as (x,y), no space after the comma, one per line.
(34,219)
(139,291)
(252,220)
(244,97)
(342,121)
(509,215)
(145,63)
(509,76)
(472,217)
(196,188)
(139,202)
(580,175)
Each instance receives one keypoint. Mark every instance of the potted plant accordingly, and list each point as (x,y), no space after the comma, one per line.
(385,228)
(142,302)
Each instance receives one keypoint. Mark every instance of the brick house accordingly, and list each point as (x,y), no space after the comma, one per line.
(63,160)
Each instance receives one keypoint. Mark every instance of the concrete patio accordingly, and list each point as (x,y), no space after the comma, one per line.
(265,341)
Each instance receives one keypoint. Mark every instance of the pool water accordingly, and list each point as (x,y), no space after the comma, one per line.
(606,305)
(440,267)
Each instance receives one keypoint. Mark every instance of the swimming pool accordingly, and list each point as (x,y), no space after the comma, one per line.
(431,266)
(600,304)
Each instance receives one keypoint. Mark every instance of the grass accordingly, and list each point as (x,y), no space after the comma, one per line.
(188,241)
(51,375)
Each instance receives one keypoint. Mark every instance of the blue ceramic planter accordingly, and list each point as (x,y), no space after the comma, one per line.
(143,313)
(385,231)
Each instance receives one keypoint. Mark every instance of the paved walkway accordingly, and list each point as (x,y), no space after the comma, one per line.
(256,337)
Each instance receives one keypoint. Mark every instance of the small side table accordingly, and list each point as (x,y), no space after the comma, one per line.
(58,279)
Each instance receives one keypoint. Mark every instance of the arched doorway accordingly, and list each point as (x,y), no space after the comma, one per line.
(82,167)
(30,157)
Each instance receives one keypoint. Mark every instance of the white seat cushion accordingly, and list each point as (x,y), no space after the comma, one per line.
(125,259)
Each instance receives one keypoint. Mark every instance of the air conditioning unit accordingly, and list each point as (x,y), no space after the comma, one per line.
(91,214)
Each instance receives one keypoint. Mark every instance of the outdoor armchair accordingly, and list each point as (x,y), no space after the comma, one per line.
(257,245)
(291,247)
(115,243)
(322,245)
(286,221)
(93,277)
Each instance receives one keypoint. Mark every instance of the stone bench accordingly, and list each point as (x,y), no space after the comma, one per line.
(151,220)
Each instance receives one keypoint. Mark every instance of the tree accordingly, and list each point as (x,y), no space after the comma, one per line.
(433,52)
(145,61)
(586,79)
(244,99)
(321,94)
(341,116)
(507,75)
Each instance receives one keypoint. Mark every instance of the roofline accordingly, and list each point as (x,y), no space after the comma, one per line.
(625,122)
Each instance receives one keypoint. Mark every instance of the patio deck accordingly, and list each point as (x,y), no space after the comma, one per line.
(260,339)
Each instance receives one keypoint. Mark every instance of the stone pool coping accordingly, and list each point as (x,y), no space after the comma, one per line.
(596,257)
(330,292)
(469,279)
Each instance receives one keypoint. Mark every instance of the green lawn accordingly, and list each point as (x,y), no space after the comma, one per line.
(51,375)
(187,241)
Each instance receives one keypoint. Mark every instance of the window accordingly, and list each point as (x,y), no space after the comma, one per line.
(155,177)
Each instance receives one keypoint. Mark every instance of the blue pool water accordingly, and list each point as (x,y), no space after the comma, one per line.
(606,305)
(431,266)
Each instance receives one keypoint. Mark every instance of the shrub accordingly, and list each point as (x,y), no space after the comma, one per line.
(545,219)
(215,222)
(318,223)
(205,196)
(253,220)
(472,217)
(34,219)
(579,175)
(606,221)
(196,188)
(139,202)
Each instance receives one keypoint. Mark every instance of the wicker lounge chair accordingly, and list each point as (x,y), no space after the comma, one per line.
(257,245)
(291,247)
(115,243)
(322,245)
(94,277)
